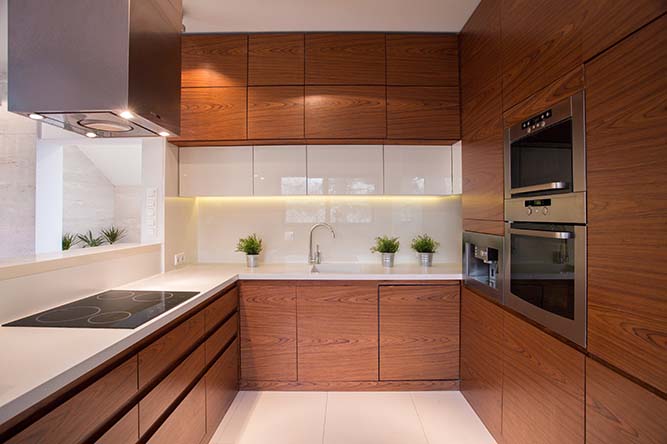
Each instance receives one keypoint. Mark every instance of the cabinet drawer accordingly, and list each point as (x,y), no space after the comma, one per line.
(222,384)
(216,342)
(220,309)
(125,431)
(187,424)
(158,356)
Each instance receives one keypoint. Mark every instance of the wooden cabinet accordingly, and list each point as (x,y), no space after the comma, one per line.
(213,113)
(346,112)
(220,309)
(222,385)
(543,387)
(419,332)
(215,171)
(626,119)
(214,60)
(279,170)
(276,59)
(338,332)
(345,59)
(276,112)
(620,411)
(125,431)
(221,337)
(268,331)
(422,60)
(482,359)
(423,112)
(418,170)
(331,172)
(187,423)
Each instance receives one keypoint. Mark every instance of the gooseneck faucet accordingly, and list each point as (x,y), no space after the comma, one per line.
(316,258)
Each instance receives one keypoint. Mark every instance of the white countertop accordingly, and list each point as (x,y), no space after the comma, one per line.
(36,362)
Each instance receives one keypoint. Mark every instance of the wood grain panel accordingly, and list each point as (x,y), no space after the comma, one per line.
(541,42)
(496,227)
(342,112)
(222,385)
(352,141)
(619,411)
(214,60)
(213,113)
(186,424)
(169,389)
(609,21)
(165,351)
(345,59)
(626,119)
(83,413)
(352,386)
(422,59)
(543,387)
(419,332)
(125,431)
(482,359)
(217,311)
(221,337)
(338,333)
(276,59)
(423,112)
(276,112)
(268,332)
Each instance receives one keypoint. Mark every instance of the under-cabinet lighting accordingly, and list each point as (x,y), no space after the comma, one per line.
(91,134)
(164,134)
(127,115)
(328,198)
(35,116)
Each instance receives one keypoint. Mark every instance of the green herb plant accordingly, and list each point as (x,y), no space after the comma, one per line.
(424,244)
(250,245)
(89,240)
(69,240)
(386,244)
(113,234)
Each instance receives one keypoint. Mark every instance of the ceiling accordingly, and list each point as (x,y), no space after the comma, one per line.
(326,15)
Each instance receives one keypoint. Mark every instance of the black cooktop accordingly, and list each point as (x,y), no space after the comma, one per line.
(111,309)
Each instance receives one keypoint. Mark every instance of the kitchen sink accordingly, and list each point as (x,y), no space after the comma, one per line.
(336,268)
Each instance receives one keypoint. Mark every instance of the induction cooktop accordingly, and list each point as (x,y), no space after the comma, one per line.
(111,309)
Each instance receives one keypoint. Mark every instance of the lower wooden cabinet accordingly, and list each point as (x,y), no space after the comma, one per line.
(419,332)
(186,424)
(222,385)
(125,431)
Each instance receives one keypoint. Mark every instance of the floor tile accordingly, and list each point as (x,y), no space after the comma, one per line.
(447,418)
(372,418)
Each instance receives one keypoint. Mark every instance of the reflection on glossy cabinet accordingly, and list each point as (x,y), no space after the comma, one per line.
(345,169)
(280,170)
(418,170)
(215,171)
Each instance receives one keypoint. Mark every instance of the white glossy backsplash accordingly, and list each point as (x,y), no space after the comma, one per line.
(284,223)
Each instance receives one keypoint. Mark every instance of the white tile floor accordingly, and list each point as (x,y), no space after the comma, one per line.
(351,418)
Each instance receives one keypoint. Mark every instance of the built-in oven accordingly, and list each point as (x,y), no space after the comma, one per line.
(483,264)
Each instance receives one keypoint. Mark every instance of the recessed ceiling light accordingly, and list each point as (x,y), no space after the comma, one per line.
(127,115)
(35,116)
(91,134)
(164,134)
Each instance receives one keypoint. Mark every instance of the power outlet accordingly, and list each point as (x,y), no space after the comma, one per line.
(179,259)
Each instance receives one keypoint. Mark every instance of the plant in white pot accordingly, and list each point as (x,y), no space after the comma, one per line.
(251,246)
(425,247)
(387,246)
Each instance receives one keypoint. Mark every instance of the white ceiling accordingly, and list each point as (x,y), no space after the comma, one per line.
(326,15)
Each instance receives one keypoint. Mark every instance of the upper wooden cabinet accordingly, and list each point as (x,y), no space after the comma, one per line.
(626,120)
(423,112)
(214,60)
(275,112)
(275,59)
(422,59)
(213,113)
(345,59)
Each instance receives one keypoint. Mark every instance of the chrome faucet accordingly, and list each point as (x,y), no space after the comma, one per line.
(316,258)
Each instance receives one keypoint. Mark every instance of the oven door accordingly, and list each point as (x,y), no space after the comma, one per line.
(545,276)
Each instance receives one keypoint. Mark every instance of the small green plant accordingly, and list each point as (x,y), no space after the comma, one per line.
(250,245)
(69,240)
(113,234)
(424,244)
(386,244)
(89,240)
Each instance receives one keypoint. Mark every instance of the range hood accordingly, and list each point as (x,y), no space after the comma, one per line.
(108,68)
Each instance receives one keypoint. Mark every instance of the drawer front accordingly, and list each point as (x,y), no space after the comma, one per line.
(222,385)
(187,424)
(125,431)
(221,308)
(217,341)
(158,356)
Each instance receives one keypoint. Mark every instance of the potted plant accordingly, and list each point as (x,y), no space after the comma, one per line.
(69,240)
(425,247)
(251,246)
(387,246)
(89,240)
(113,234)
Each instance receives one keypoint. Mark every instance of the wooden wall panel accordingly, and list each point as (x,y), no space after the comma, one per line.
(187,424)
(214,60)
(276,59)
(419,332)
(213,113)
(482,359)
(338,332)
(619,411)
(423,112)
(345,59)
(422,59)
(268,332)
(626,116)
(344,112)
(276,112)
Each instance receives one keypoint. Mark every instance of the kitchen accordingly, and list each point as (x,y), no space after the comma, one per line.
(243,223)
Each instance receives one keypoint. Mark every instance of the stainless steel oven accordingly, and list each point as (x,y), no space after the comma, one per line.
(483,264)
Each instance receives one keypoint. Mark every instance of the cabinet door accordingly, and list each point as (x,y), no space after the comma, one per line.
(275,59)
(280,170)
(417,170)
(222,385)
(543,379)
(422,59)
(626,120)
(330,170)
(125,431)
(338,332)
(214,60)
(482,359)
(268,332)
(213,113)
(423,112)
(346,112)
(275,112)
(215,171)
(419,332)
(186,424)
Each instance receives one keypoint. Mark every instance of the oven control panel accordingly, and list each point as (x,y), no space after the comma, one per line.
(537,207)
(555,208)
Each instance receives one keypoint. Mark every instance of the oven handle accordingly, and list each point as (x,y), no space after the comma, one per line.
(547,234)
(542,187)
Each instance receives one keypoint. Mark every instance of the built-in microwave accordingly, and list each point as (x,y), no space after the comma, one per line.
(483,264)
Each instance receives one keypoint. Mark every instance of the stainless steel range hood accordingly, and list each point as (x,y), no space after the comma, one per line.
(108,68)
